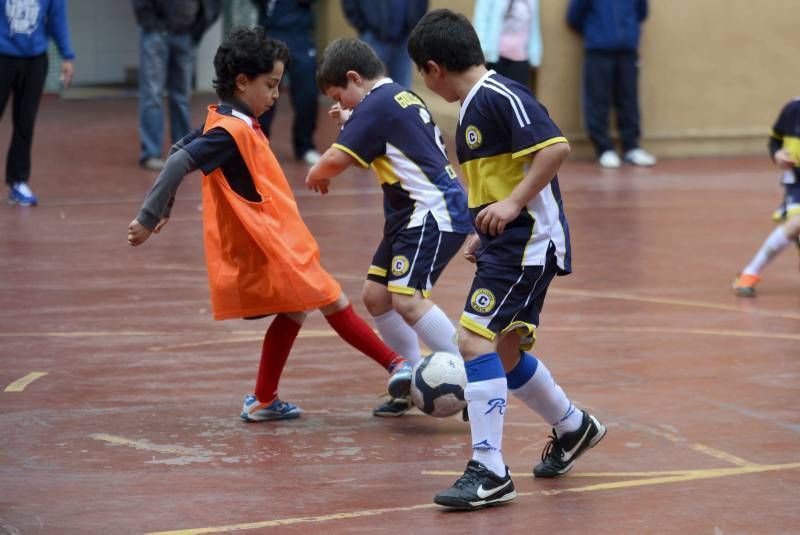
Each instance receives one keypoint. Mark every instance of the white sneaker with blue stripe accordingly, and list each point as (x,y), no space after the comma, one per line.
(256,411)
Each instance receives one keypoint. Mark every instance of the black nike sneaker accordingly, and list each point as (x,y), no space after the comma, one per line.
(478,487)
(559,453)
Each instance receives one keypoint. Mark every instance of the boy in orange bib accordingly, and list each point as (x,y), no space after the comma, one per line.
(261,257)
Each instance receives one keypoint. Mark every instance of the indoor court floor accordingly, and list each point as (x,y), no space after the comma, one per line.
(119,394)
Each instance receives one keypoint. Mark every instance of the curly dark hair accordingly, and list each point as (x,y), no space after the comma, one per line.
(246,51)
(344,55)
(447,38)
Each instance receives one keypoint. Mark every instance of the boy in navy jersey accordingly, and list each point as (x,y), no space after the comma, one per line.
(510,151)
(388,128)
(784,147)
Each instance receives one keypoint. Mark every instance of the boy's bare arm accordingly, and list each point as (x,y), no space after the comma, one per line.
(493,219)
(331,164)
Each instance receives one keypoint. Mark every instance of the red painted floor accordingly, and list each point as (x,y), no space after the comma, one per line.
(135,429)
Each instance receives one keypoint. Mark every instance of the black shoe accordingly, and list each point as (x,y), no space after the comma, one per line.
(559,453)
(478,487)
(393,407)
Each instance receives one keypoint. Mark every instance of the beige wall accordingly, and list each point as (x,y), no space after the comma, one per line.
(714,73)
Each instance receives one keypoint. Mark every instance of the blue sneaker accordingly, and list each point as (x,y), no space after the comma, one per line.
(19,193)
(255,411)
(399,384)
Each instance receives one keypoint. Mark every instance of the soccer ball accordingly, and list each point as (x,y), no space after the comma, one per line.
(437,385)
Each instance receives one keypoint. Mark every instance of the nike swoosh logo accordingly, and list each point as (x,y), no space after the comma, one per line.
(486,493)
(568,454)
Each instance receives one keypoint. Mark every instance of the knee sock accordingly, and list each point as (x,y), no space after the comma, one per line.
(774,244)
(398,335)
(437,331)
(277,344)
(486,404)
(530,381)
(355,331)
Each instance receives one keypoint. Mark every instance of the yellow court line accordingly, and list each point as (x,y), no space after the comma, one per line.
(20,384)
(677,302)
(683,476)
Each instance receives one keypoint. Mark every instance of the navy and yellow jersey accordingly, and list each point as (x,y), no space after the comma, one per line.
(786,135)
(392,131)
(500,128)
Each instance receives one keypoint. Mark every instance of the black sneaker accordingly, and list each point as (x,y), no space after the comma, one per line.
(478,487)
(393,407)
(559,453)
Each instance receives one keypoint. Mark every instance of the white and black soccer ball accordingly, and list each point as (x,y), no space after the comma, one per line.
(437,385)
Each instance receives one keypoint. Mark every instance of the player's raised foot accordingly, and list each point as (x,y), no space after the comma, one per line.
(393,407)
(560,453)
(745,285)
(399,384)
(477,487)
(256,411)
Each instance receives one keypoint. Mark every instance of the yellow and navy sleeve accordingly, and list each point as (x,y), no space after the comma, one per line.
(529,125)
(363,135)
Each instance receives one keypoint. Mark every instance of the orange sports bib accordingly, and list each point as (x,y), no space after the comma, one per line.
(261,257)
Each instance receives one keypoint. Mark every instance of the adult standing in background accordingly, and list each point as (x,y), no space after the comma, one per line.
(510,36)
(170,32)
(26,27)
(611,30)
(292,21)
(385,25)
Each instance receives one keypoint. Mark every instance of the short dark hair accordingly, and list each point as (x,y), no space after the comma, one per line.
(344,55)
(447,38)
(245,51)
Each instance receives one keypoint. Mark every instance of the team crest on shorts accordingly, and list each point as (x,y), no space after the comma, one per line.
(482,300)
(399,265)
(474,137)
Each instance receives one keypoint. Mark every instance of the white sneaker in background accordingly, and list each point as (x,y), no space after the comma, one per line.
(311,157)
(640,157)
(609,160)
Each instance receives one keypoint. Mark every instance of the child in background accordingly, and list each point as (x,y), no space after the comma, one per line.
(510,151)
(425,207)
(784,147)
(261,258)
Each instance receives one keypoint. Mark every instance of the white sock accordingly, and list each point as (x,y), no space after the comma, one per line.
(437,331)
(774,244)
(486,394)
(399,336)
(541,393)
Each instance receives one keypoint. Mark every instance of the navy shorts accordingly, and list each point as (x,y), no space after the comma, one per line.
(413,259)
(506,298)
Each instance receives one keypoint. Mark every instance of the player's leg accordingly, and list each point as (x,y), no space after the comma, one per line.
(264,404)
(355,331)
(419,255)
(778,240)
(392,327)
(486,480)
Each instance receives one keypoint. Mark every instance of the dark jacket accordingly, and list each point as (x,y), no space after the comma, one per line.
(285,15)
(176,16)
(608,24)
(383,18)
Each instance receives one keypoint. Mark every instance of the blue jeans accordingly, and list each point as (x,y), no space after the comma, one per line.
(394,56)
(166,63)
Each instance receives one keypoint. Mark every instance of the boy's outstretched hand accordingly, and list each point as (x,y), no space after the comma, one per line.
(138,233)
(319,185)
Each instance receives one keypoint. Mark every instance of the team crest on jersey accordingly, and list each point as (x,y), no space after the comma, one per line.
(399,265)
(482,300)
(474,137)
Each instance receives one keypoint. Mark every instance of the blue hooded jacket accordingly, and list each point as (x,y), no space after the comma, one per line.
(26,27)
(608,24)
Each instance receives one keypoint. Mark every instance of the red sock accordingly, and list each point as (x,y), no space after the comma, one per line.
(355,331)
(277,345)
